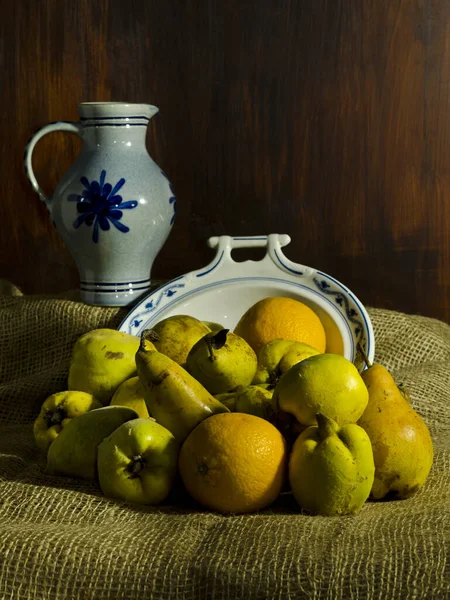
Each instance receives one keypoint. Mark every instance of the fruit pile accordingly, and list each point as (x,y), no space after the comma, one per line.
(238,416)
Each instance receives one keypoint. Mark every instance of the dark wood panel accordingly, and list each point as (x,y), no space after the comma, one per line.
(325,119)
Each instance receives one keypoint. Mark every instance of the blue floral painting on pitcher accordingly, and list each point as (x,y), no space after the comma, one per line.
(100,205)
(172,199)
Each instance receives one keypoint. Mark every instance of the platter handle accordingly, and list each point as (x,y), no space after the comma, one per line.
(273,261)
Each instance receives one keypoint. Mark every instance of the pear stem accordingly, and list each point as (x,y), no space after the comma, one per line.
(209,343)
(326,425)
(364,355)
(148,334)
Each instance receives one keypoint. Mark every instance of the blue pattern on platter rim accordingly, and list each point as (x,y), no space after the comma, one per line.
(134,325)
(337,296)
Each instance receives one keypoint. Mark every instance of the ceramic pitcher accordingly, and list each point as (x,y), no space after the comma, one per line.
(114,207)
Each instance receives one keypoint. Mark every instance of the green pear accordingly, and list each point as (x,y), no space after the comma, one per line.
(266,386)
(138,462)
(227,399)
(278,356)
(214,327)
(175,336)
(255,400)
(222,362)
(174,398)
(74,451)
(131,393)
(325,383)
(252,400)
(402,444)
(331,468)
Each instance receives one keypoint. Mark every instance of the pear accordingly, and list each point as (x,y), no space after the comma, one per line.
(222,362)
(278,356)
(228,399)
(214,327)
(174,398)
(101,360)
(131,393)
(325,383)
(401,441)
(331,468)
(266,386)
(251,400)
(74,451)
(255,400)
(175,336)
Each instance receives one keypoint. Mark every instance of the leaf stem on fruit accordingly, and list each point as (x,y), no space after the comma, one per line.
(148,334)
(364,355)
(212,356)
(219,339)
(216,342)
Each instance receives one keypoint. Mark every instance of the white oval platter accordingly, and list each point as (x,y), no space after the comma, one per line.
(224,289)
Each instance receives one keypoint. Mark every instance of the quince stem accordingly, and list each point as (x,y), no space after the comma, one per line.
(136,466)
(54,417)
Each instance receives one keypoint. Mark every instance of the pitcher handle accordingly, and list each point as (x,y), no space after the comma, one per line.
(51,127)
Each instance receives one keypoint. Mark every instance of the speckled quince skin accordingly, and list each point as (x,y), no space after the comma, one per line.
(101,360)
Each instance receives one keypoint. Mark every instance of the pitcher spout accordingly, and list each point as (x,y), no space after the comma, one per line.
(125,113)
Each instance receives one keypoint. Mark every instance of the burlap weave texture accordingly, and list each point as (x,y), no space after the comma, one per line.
(60,538)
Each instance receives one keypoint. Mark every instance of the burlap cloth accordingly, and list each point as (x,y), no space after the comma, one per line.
(60,538)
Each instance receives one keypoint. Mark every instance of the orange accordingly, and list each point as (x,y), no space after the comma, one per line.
(285,318)
(234,462)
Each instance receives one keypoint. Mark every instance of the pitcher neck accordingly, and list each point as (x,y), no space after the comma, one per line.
(119,124)
(98,135)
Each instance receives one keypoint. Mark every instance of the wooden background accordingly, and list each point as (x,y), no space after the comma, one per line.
(328,120)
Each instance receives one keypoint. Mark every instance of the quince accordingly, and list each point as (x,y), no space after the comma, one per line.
(331,468)
(74,451)
(57,411)
(138,462)
(102,359)
(325,383)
